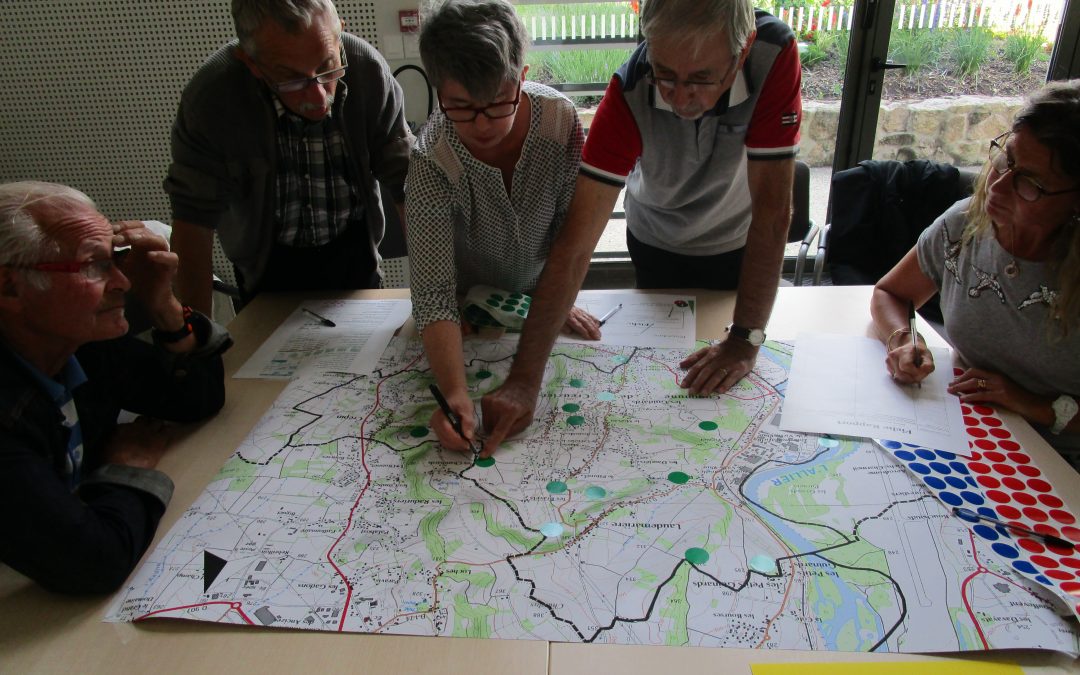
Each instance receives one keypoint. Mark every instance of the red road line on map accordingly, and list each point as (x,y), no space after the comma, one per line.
(363,491)
(233,606)
(963,590)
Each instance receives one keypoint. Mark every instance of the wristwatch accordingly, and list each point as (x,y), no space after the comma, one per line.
(755,336)
(1065,408)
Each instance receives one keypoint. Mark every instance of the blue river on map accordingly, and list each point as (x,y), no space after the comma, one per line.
(844,612)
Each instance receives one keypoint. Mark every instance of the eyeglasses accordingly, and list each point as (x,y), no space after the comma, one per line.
(94,270)
(292,86)
(669,84)
(1026,187)
(494,111)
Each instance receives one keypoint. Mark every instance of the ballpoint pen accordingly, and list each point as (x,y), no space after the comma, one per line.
(914,337)
(610,313)
(321,319)
(452,416)
(1048,538)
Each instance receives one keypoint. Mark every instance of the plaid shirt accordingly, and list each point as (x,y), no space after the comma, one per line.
(314,199)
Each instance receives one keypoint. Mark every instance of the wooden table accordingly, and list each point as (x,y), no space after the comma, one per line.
(42,632)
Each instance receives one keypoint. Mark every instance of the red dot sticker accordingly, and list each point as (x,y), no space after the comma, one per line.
(1009,445)
(1048,500)
(1072,588)
(1025,499)
(991,421)
(975,455)
(976,432)
(1060,550)
(1038,515)
(1071,562)
(995,456)
(1005,469)
(990,482)
(978,467)
(984,444)
(1009,512)
(1001,433)
(1063,517)
(1014,483)
(1071,533)
(1029,470)
(1039,485)
(1030,545)
(1060,575)
(982,409)
(1043,528)
(971,421)
(1044,561)
(1019,458)
(998,496)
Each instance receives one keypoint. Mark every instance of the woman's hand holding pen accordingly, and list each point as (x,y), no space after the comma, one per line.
(463,407)
(908,363)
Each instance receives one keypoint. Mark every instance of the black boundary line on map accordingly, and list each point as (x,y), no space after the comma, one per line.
(817,553)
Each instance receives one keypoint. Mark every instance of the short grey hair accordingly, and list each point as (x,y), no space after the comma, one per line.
(23,239)
(698,21)
(293,15)
(479,43)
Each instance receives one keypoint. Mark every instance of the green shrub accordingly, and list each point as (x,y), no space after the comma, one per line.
(1021,49)
(575,65)
(813,54)
(916,48)
(970,50)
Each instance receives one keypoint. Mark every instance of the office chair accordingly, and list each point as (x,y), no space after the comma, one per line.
(879,208)
(802,227)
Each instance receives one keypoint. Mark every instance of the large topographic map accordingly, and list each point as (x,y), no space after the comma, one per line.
(628,513)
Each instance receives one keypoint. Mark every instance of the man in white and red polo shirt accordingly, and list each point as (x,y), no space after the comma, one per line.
(701,125)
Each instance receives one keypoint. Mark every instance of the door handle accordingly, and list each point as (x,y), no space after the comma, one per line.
(878,64)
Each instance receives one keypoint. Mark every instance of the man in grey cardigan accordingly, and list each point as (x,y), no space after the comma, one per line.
(279,145)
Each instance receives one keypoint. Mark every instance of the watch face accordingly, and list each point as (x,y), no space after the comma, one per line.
(756,337)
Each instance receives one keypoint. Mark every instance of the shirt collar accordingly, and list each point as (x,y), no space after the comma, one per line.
(66,381)
(339,100)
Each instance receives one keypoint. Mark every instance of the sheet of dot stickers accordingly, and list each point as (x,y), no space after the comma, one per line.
(998,479)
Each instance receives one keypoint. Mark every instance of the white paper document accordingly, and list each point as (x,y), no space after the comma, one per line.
(839,385)
(363,329)
(644,320)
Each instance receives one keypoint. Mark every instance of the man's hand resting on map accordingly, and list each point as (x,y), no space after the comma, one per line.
(507,410)
(719,367)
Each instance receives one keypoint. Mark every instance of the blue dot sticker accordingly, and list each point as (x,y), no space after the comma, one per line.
(935,482)
(1024,566)
(892,445)
(959,468)
(972,497)
(986,532)
(956,482)
(951,499)
(945,454)
(964,514)
(1005,551)
(551,529)
(920,469)
(905,455)
(940,468)
(926,454)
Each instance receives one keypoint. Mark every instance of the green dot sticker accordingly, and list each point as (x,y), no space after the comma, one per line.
(516,295)
(696,556)
(492,302)
(575,420)
(512,301)
(483,374)
(485,462)
(520,312)
(828,442)
(507,308)
(678,477)
(605,396)
(595,492)
(556,487)
(708,426)
(497,296)
(577,383)
(763,564)
(418,432)
(571,407)
(619,358)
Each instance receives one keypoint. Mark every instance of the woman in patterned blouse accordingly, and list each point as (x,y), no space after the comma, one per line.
(490,181)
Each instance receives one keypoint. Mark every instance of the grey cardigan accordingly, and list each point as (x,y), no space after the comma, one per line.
(224,150)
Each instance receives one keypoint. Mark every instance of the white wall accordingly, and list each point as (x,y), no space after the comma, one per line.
(89,88)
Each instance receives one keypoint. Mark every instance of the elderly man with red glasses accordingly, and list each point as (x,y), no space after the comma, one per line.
(1007,264)
(280,145)
(79,493)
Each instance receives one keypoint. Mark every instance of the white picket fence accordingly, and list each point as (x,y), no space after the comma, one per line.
(1036,16)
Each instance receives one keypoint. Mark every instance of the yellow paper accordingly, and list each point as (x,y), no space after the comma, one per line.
(943,667)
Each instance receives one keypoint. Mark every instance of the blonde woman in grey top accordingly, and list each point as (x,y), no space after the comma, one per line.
(1007,264)
(490,181)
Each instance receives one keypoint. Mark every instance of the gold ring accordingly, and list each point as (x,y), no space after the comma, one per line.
(981,384)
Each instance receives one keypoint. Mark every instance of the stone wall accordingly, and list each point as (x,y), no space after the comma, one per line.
(954,130)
